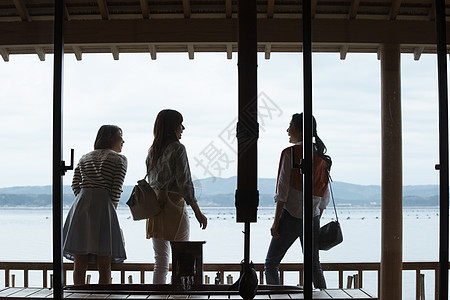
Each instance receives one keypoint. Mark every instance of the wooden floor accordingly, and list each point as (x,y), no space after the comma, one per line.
(40,293)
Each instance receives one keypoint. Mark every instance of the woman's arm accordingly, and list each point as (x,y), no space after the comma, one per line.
(120,170)
(184,182)
(76,181)
(325,200)
(276,220)
(283,185)
(201,218)
(183,175)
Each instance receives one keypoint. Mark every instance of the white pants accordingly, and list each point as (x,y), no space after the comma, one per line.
(162,250)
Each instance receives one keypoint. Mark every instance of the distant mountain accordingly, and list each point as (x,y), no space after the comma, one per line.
(219,192)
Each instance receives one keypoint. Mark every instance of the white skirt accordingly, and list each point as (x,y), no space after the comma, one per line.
(92,227)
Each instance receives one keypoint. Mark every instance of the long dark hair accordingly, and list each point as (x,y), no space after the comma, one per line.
(319,147)
(164,132)
(105,136)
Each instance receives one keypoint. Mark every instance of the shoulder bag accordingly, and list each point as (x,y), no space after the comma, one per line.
(143,202)
(330,234)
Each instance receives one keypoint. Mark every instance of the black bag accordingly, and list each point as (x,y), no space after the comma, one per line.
(143,202)
(330,234)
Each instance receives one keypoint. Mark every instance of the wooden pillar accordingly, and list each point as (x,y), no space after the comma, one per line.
(247,196)
(307,168)
(58,170)
(443,148)
(391,174)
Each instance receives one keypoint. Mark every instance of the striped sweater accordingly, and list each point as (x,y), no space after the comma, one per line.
(103,168)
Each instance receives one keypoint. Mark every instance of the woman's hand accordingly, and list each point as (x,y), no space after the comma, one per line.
(276,220)
(274,230)
(202,219)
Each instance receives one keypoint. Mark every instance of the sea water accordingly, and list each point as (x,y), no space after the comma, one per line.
(26,235)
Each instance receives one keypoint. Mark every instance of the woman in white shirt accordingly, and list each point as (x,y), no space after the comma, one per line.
(170,176)
(288,222)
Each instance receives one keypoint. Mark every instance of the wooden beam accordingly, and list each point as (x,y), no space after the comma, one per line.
(343,51)
(78,53)
(145,9)
(104,11)
(152,50)
(190,49)
(66,13)
(41,53)
(270,8)
(353,9)
(394,9)
(229,8)
(4,53)
(418,52)
(229,51)
(115,52)
(267,50)
(187,8)
(22,10)
(183,31)
(432,13)
(313,9)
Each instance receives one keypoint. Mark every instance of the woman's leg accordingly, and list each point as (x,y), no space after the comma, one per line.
(79,268)
(162,253)
(104,269)
(289,229)
(318,278)
(183,231)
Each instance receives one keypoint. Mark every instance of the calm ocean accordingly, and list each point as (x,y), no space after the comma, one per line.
(26,235)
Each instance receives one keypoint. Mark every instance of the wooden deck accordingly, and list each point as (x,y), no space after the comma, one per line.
(44,293)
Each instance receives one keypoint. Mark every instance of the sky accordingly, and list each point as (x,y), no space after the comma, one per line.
(131,91)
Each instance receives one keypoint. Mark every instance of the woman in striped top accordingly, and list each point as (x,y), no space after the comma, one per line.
(91,232)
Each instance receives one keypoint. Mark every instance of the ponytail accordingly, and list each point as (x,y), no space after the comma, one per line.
(321,149)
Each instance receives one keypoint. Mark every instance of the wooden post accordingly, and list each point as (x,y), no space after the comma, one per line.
(356,284)
(443,166)
(422,287)
(349,282)
(229,279)
(391,174)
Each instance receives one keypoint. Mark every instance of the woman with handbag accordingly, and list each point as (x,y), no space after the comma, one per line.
(170,176)
(91,231)
(288,222)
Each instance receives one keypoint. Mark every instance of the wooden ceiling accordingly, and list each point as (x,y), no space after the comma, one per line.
(155,26)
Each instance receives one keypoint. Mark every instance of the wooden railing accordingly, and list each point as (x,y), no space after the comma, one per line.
(47,269)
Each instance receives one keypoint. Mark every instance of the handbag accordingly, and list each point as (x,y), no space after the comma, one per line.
(330,234)
(143,202)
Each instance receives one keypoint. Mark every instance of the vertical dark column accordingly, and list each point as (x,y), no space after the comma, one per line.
(247,127)
(391,174)
(307,151)
(443,149)
(57,150)
(247,137)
